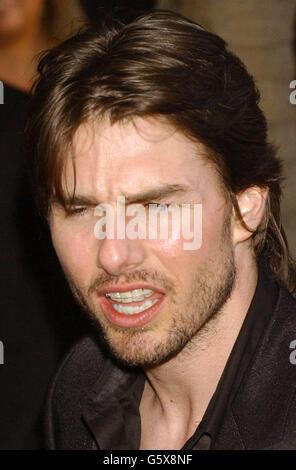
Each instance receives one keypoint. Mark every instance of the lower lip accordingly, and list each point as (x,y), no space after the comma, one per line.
(130,321)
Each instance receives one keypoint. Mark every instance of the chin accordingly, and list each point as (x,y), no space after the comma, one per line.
(142,347)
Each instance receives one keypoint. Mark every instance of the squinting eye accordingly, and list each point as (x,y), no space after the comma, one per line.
(77,211)
(156,206)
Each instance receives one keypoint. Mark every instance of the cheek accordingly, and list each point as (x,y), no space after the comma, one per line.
(214,218)
(175,260)
(76,250)
(182,262)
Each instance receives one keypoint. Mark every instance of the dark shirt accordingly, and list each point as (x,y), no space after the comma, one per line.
(115,419)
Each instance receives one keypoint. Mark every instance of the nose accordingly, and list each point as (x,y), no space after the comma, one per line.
(116,256)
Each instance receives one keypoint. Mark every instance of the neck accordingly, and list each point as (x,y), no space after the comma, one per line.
(181,388)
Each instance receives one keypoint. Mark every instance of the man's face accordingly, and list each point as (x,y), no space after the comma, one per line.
(183,288)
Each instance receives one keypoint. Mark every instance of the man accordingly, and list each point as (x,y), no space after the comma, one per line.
(194,349)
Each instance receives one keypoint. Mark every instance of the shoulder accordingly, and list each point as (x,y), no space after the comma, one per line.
(283,321)
(76,375)
(264,408)
(81,363)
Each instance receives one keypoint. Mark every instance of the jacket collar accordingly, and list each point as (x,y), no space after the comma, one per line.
(107,399)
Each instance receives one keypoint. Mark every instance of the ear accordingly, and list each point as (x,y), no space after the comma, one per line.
(251,202)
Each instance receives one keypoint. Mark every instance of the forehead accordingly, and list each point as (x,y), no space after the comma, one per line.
(126,156)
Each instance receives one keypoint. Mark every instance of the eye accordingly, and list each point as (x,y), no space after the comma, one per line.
(157,206)
(77,211)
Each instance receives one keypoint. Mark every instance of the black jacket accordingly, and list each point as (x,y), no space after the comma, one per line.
(261,415)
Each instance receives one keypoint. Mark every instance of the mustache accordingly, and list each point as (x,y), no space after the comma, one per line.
(104,280)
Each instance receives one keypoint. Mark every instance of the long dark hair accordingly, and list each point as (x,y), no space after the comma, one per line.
(161,64)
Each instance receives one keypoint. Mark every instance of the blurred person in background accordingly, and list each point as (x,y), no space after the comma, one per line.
(30,279)
(28,27)
(24,32)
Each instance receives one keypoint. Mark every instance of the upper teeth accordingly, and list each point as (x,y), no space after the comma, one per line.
(135,295)
(128,310)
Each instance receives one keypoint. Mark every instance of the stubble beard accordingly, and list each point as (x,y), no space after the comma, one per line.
(191,317)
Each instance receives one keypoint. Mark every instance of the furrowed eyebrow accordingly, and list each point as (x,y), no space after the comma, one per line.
(155,194)
(77,201)
(147,195)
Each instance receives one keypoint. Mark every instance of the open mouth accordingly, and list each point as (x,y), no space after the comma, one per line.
(131,307)
(134,301)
